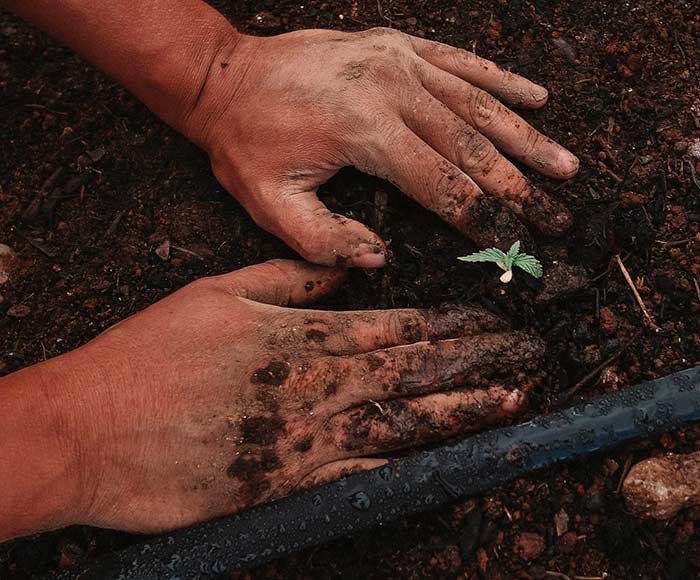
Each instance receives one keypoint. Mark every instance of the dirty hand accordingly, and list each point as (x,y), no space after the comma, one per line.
(220,397)
(281,115)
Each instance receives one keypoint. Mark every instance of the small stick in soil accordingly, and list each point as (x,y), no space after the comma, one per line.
(558,575)
(693,175)
(625,470)
(186,251)
(115,224)
(381,200)
(48,252)
(628,278)
(697,287)
(597,370)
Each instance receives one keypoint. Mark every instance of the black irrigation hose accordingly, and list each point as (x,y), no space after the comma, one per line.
(407,486)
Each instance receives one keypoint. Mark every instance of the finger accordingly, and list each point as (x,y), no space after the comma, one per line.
(508,131)
(483,73)
(345,333)
(416,369)
(318,235)
(442,187)
(464,146)
(401,423)
(340,469)
(282,282)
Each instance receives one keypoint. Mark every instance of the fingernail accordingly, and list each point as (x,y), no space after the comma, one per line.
(369,256)
(539,94)
(567,163)
(513,401)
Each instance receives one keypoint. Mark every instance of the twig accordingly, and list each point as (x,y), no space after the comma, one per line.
(381,14)
(697,287)
(680,48)
(594,373)
(115,223)
(626,274)
(44,108)
(623,475)
(186,251)
(675,242)
(694,176)
(48,252)
(558,575)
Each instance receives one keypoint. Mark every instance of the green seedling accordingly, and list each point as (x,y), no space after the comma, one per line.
(506,261)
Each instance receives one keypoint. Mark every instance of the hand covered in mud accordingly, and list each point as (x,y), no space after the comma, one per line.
(219,397)
(281,115)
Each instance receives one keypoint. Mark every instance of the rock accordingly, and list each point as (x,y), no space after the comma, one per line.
(629,199)
(529,545)
(561,522)
(567,543)
(265,21)
(662,486)
(694,149)
(18,310)
(448,560)
(97,154)
(163,250)
(7,256)
(559,280)
(565,49)
(680,147)
(482,559)
(610,378)
(608,321)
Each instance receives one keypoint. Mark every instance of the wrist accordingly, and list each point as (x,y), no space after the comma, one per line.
(41,470)
(213,90)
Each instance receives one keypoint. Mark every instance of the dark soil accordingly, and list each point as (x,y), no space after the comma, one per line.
(625,90)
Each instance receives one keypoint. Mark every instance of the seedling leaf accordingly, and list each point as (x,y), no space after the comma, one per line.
(525,262)
(489,255)
(530,264)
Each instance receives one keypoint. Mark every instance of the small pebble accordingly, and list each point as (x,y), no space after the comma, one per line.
(18,310)
(661,486)
(529,545)
(163,250)
(694,149)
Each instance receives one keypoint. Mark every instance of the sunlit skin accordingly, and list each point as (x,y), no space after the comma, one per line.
(222,396)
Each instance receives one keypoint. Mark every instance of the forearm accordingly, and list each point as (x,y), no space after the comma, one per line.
(161,50)
(39,467)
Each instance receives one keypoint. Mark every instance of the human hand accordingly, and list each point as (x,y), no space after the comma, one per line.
(219,397)
(281,115)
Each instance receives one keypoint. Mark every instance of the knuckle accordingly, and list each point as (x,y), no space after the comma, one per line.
(533,139)
(484,109)
(203,285)
(320,379)
(474,150)
(449,189)
(406,327)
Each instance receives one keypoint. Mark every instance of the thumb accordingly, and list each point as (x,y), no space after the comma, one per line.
(318,235)
(283,282)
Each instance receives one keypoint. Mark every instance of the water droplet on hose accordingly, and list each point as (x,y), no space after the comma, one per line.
(360,501)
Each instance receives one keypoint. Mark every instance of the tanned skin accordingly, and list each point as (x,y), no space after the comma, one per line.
(221,396)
